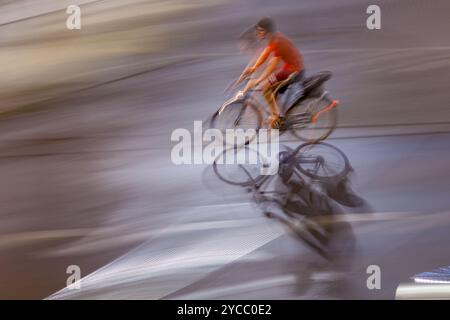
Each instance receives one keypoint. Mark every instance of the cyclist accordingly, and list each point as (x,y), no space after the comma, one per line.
(285,59)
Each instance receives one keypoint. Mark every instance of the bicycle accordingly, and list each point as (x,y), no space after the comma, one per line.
(311,117)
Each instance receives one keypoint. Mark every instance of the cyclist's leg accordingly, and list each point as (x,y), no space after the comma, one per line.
(250,84)
(271,101)
(268,86)
(269,96)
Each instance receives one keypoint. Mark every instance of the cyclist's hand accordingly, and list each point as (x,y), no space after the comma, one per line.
(243,75)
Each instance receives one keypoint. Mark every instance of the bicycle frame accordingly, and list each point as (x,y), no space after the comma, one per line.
(248,95)
(238,96)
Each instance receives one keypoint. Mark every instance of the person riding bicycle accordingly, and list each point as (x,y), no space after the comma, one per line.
(281,50)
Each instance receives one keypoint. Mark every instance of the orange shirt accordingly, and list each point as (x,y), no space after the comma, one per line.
(282,47)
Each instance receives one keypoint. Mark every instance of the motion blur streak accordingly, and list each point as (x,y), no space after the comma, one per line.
(86,176)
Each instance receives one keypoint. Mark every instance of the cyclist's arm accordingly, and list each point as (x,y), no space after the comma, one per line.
(262,58)
(270,69)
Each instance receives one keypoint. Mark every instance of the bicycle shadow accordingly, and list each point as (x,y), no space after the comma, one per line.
(320,201)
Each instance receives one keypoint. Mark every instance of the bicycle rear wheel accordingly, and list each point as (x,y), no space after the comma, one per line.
(313,120)
(238,115)
(322,161)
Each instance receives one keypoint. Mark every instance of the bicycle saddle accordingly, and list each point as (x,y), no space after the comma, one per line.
(309,84)
(315,81)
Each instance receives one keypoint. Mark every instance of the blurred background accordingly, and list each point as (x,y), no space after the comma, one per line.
(86,177)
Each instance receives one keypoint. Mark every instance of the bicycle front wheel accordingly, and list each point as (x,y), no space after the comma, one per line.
(238,115)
